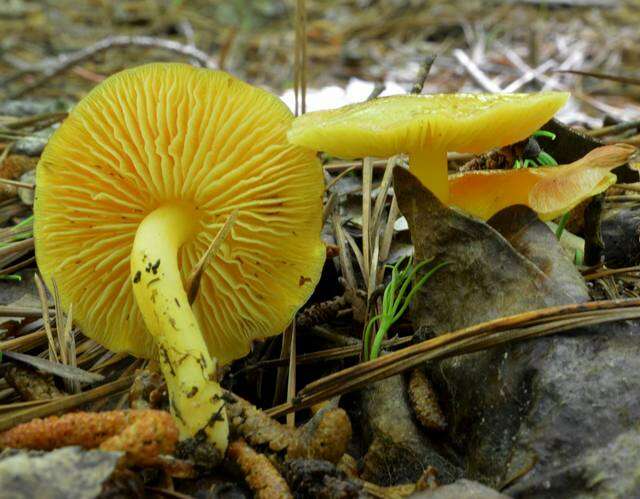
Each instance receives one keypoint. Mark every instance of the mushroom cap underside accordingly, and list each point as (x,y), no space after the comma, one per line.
(549,191)
(406,123)
(163,133)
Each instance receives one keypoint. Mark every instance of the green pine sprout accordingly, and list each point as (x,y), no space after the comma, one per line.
(544,133)
(395,301)
(23,224)
(545,159)
(11,277)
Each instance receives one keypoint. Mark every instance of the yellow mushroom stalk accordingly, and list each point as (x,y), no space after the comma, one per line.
(188,369)
(136,187)
(426,127)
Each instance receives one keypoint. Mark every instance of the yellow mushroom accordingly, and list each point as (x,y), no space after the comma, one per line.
(426,127)
(133,188)
(549,191)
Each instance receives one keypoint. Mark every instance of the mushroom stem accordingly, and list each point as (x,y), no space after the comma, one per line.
(431,167)
(189,370)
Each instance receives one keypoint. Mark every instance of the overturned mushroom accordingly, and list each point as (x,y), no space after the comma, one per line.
(133,188)
(426,127)
(549,191)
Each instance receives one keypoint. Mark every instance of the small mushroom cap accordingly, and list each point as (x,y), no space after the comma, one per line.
(549,191)
(162,133)
(407,123)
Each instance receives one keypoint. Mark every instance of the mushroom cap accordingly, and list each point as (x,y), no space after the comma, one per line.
(165,132)
(549,191)
(406,123)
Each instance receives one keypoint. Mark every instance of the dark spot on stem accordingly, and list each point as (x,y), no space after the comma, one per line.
(176,412)
(177,302)
(227,398)
(192,392)
(172,321)
(216,416)
(136,278)
(165,358)
(152,281)
(155,266)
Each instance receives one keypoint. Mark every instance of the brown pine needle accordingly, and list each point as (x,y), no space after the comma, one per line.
(44,301)
(532,324)
(62,404)
(193,282)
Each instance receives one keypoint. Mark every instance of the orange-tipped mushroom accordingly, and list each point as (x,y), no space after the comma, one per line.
(133,188)
(426,127)
(550,191)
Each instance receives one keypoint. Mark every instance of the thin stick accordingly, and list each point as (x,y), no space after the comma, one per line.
(44,302)
(367,236)
(423,72)
(62,404)
(16,183)
(54,66)
(614,129)
(345,259)
(193,281)
(291,385)
(609,272)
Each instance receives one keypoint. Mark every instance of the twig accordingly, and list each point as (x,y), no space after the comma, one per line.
(423,72)
(476,73)
(620,79)
(54,66)
(65,403)
(193,281)
(378,88)
(608,272)
(614,129)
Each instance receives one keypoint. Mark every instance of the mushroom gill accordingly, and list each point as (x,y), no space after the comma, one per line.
(169,151)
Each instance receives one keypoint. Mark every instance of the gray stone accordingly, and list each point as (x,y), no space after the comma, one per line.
(461,489)
(60,474)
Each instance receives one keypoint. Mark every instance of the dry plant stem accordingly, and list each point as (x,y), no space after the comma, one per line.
(189,370)
(44,301)
(143,435)
(57,65)
(609,272)
(536,323)
(367,177)
(261,476)
(193,282)
(291,378)
(425,67)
